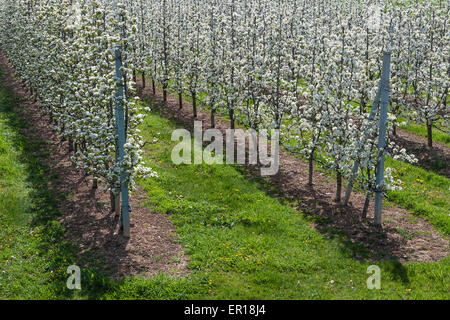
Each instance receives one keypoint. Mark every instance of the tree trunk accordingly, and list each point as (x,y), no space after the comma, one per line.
(338,186)
(366,206)
(232,119)
(180,100)
(153,87)
(213,121)
(143,79)
(95,184)
(112,201)
(311,169)
(430,135)
(165,93)
(62,130)
(70,145)
(117,204)
(194,104)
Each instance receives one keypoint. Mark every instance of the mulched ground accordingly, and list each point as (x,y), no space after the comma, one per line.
(404,237)
(86,213)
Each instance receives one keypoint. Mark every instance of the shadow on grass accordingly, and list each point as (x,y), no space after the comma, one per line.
(42,213)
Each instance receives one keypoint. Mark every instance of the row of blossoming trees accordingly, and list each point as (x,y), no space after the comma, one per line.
(308,68)
(63,51)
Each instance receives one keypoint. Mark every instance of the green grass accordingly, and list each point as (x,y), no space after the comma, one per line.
(250,245)
(423,193)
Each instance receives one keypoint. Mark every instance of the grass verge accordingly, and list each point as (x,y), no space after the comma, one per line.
(32,254)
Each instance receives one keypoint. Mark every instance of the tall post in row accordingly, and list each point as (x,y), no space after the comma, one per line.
(384,101)
(380,106)
(120,131)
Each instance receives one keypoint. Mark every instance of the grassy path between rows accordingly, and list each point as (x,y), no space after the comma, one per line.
(242,243)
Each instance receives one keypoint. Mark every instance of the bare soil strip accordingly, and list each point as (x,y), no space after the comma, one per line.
(404,237)
(86,213)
